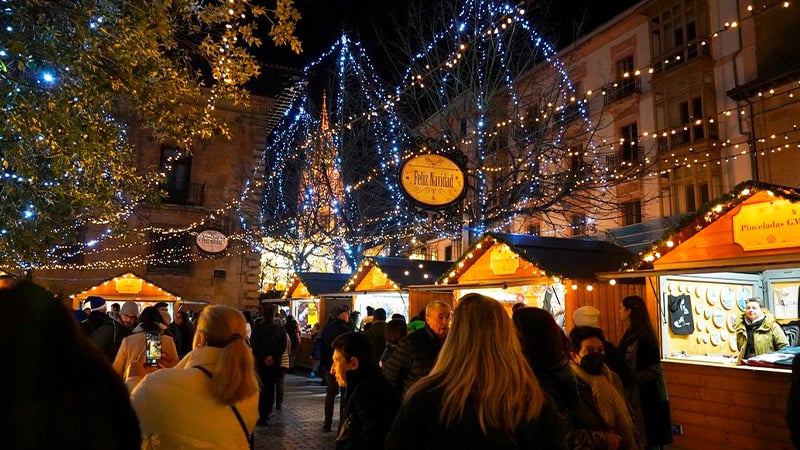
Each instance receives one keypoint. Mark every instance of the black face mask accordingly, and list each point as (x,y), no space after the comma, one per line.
(592,363)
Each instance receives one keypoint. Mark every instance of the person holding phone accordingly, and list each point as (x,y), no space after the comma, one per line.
(148,338)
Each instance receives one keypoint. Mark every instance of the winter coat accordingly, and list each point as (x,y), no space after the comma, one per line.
(108,336)
(370,405)
(376,334)
(418,427)
(413,358)
(269,339)
(176,408)
(646,390)
(134,345)
(768,337)
(332,330)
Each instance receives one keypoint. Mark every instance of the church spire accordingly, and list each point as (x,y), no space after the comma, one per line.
(323,120)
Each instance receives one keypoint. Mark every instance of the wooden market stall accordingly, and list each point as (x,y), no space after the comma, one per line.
(383,282)
(745,244)
(128,287)
(311,295)
(556,274)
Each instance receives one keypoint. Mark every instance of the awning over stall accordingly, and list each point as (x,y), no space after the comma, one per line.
(315,284)
(387,273)
(126,287)
(754,227)
(522,258)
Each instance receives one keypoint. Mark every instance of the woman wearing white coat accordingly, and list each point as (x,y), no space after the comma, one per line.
(210,399)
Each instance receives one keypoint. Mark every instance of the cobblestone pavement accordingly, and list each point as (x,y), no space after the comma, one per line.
(298,425)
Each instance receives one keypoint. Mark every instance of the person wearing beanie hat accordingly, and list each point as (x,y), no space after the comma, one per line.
(586,316)
(97,311)
(114,327)
(96,303)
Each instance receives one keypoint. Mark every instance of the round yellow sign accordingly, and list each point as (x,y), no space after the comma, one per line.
(432,180)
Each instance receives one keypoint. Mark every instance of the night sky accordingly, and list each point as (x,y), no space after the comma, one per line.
(324,21)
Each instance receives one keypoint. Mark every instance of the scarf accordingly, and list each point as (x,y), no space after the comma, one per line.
(610,403)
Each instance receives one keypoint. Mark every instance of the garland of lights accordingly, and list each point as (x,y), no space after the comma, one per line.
(303,123)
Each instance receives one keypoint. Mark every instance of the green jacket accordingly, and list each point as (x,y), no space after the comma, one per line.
(768,337)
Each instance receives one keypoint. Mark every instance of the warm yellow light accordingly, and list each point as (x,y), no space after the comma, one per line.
(612,282)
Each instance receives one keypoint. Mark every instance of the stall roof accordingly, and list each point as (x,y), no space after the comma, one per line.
(703,240)
(394,273)
(315,284)
(128,286)
(568,258)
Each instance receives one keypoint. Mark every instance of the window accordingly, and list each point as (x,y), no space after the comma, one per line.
(675,34)
(629,143)
(170,253)
(448,253)
(178,186)
(578,224)
(632,212)
(535,229)
(434,254)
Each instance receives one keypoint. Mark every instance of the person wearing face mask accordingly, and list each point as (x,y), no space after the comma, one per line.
(601,407)
(644,383)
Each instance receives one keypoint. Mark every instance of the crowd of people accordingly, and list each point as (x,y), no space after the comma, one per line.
(470,377)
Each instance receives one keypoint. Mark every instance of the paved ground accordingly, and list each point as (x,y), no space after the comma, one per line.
(298,425)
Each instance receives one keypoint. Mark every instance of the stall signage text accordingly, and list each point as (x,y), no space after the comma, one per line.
(128,285)
(432,180)
(765,226)
(212,241)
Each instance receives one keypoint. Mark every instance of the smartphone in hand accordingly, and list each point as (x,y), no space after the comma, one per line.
(152,342)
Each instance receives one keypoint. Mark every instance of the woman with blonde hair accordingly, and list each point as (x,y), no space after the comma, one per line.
(481,394)
(210,399)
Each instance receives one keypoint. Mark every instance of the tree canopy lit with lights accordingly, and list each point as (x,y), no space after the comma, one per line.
(75,75)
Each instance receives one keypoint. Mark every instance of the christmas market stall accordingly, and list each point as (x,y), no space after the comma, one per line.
(556,274)
(310,296)
(383,281)
(701,275)
(128,287)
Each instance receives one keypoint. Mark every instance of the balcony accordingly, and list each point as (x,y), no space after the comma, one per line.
(680,55)
(688,135)
(621,89)
(189,194)
(629,156)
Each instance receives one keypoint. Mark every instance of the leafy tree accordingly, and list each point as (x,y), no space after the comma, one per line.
(76,74)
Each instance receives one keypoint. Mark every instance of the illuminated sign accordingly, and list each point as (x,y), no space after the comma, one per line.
(766,226)
(434,181)
(212,241)
(128,285)
(503,261)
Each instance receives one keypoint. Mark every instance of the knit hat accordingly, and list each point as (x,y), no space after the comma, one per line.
(339,310)
(586,316)
(95,303)
(130,309)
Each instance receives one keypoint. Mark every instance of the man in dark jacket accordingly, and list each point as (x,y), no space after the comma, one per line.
(337,324)
(108,335)
(415,354)
(269,343)
(376,332)
(370,402)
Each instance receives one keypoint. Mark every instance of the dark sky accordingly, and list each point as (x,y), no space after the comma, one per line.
(324,21)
